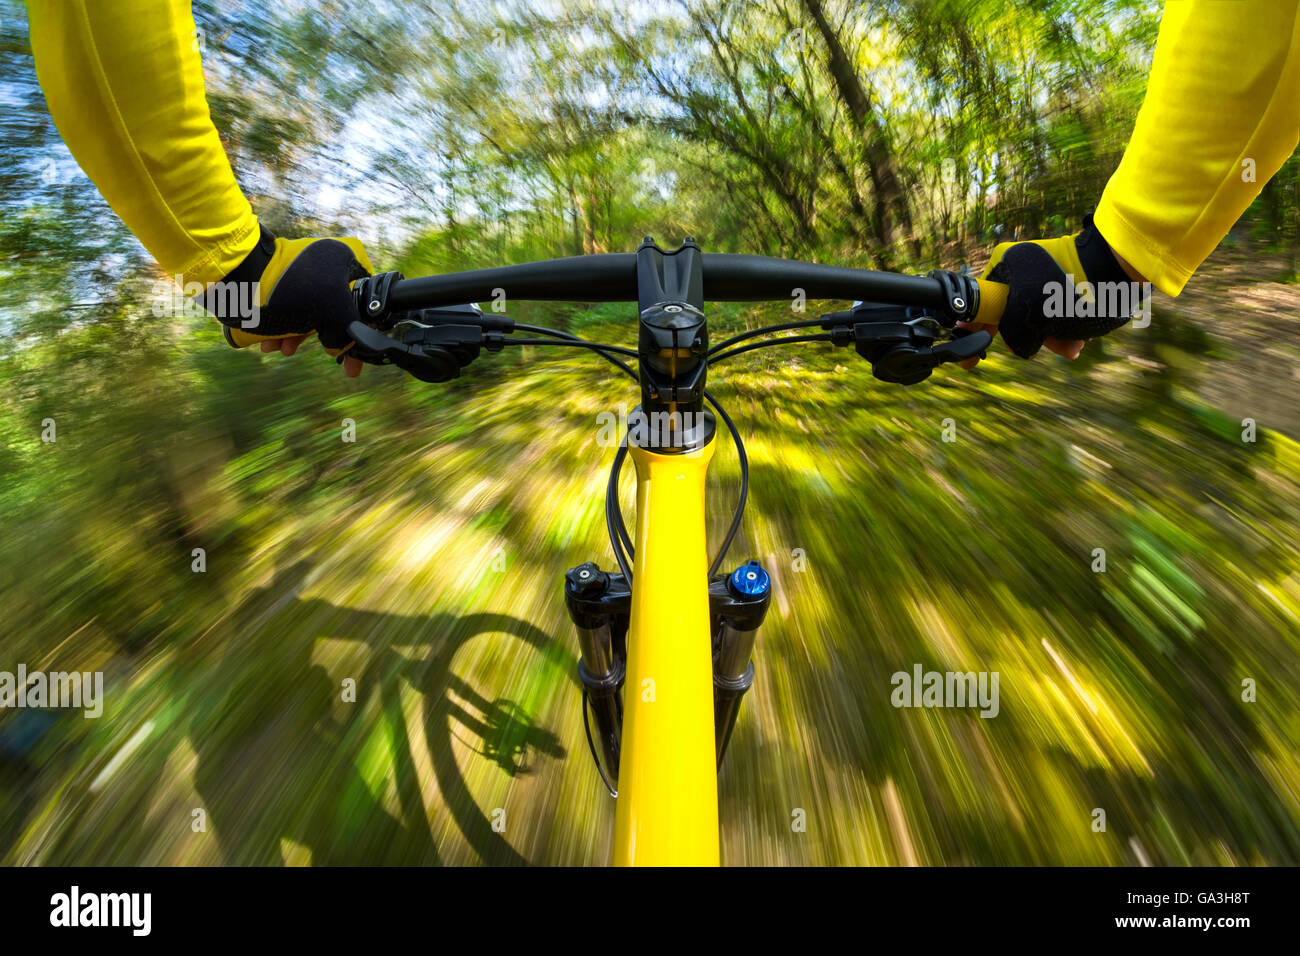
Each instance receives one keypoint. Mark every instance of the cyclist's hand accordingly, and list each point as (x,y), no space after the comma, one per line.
(300,287)
(1066,348)
(289,344)
(1055,294)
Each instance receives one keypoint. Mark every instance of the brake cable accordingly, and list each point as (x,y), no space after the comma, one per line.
(783,340)
(614,523)
(620,540)
(744,484)
(591,744)
(580,343)
(614,516)
(624,537)
(618,536)
(556,333)
(899,342)
(781,327)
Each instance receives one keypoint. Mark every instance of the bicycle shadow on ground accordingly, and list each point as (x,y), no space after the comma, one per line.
(506,730)
(281,764)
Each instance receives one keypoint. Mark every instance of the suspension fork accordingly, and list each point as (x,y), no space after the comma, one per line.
(599,603)
(739,603)
(667,810)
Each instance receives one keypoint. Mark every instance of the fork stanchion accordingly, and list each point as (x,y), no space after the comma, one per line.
(597,602)
(740,604)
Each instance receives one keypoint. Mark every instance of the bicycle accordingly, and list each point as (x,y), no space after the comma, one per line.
(667,625)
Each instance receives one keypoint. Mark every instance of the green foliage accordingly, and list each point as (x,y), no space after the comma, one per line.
(468,135)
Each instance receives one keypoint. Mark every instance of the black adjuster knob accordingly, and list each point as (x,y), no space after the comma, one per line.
(586,580)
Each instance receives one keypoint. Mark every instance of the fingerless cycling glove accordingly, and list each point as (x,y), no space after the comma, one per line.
(1066,288)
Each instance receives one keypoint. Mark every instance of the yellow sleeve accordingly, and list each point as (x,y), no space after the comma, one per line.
(1221,116)
(124,84)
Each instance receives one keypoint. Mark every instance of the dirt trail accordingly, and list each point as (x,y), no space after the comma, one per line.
(1255,321)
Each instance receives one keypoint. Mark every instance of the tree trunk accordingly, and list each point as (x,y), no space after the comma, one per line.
(893,215)
(575,207)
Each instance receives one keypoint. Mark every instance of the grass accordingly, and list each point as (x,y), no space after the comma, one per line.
(376,664)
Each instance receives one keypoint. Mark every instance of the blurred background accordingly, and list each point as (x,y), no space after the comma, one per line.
(424,560)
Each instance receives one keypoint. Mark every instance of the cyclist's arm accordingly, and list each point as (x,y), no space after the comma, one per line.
(124,84)
(1224,90)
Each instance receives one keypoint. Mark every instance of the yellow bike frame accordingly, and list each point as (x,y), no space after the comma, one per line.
(667,813)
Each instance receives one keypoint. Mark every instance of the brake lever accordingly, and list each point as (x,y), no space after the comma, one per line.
(965,344)
(907,364)
(428,364)
(899,341)
(431,344)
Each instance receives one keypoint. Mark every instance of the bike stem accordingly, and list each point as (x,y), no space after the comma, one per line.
(673,342)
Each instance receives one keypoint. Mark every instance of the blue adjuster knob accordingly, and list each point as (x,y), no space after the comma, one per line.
(750,579)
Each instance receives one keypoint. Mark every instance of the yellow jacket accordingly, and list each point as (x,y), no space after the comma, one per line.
(1221,116)
(124,84)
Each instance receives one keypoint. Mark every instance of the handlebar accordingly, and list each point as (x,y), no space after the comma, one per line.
(612,277)
(898,322)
